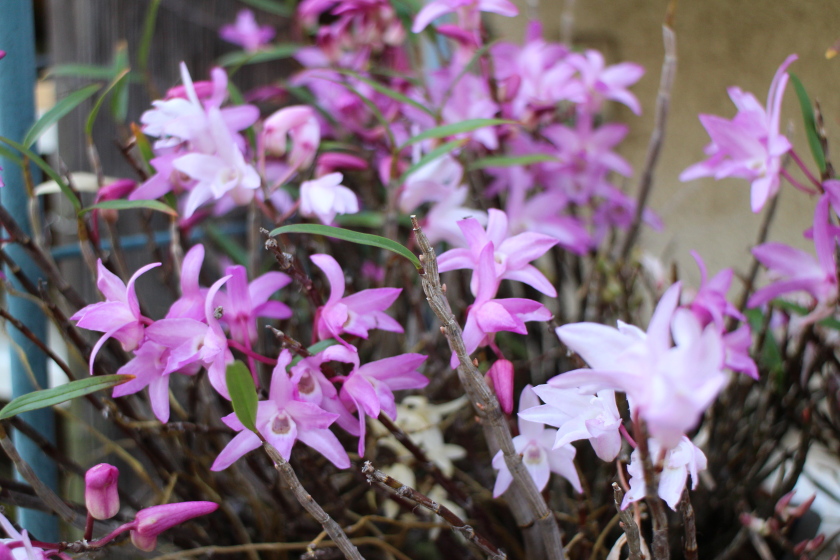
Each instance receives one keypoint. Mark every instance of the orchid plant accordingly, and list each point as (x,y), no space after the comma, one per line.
(503,151)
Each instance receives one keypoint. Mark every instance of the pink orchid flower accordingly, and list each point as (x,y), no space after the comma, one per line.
(246,33)
(680,461)
(593,417)
(369,388)
(606,82)
(298,122)
(118,316)
(190,341)
(193,296)
(540,456)
(19,546)
(468,11)
(669,384)
(243,302)
(795,270)
(511,255)
(325,197)
(282,420)
(749,146)
(355,314)
(488,316)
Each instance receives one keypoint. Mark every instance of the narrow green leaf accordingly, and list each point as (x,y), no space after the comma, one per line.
(10,155)
(316,348)
(433,155)
(148,34)
(119,97)
(59,110)
(270,6)
(475,58)
(365,219)
(49,171)
(351,236)
(372,107)
(131,204)
(509,161)
(98,105)
(243,394)
(454,128)
(277,52)
(810,124)
(89,71)
(57,395)
(385,90)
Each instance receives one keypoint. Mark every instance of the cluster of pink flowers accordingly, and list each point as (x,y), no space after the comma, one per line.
(203,325)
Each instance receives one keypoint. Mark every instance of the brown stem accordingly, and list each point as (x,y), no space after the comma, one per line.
(527,503)
(457,523)
(332,528)
(690,528)
(663,102)
(634,538)
(661,550)
(289,265)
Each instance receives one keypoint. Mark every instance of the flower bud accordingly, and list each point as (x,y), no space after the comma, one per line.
(101,497)
(500,378)
(152,521)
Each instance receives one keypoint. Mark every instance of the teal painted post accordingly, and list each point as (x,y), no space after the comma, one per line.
(17,113)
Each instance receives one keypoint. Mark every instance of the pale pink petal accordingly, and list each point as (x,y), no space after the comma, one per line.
(241,444)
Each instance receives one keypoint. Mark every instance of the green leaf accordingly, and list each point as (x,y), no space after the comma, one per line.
(98,105)
(372,107)
(89,71)
(385,90)
(270,6)
(148,34)
(316,348)
(351,236)
(365,219)
(454,128)
(57,395)
(243,394)
(810,125)
(131,204)
(829,322)
(49,171)
(475,58)
(57,112)
(277,52)
(509,161)
(119,98)
(433,155)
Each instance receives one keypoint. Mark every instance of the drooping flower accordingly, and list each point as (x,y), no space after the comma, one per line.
(794,270)
(118,316)
(487,316)
(355,314)
(749,146)
(101,497)
(246,33)
(680,461)
(512,254)
(282,420)
(152,521)
(326,197)
(299,123)
(669,381)
(535,443)
(370,387)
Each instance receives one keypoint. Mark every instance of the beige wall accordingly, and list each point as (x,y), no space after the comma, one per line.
(720,43)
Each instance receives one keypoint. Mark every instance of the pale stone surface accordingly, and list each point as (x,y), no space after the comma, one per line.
(720,43)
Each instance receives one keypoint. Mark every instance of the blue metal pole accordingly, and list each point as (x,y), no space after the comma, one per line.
(17,113)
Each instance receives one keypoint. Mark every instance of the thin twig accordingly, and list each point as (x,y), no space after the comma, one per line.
(41,259)
(661,550)
(456,522)
(332,528)
(663,102)
(628,523)
(527,503)
(690,529)
(289,265)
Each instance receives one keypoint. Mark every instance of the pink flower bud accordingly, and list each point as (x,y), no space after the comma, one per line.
(500,378)
(152,521)
(101,497)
